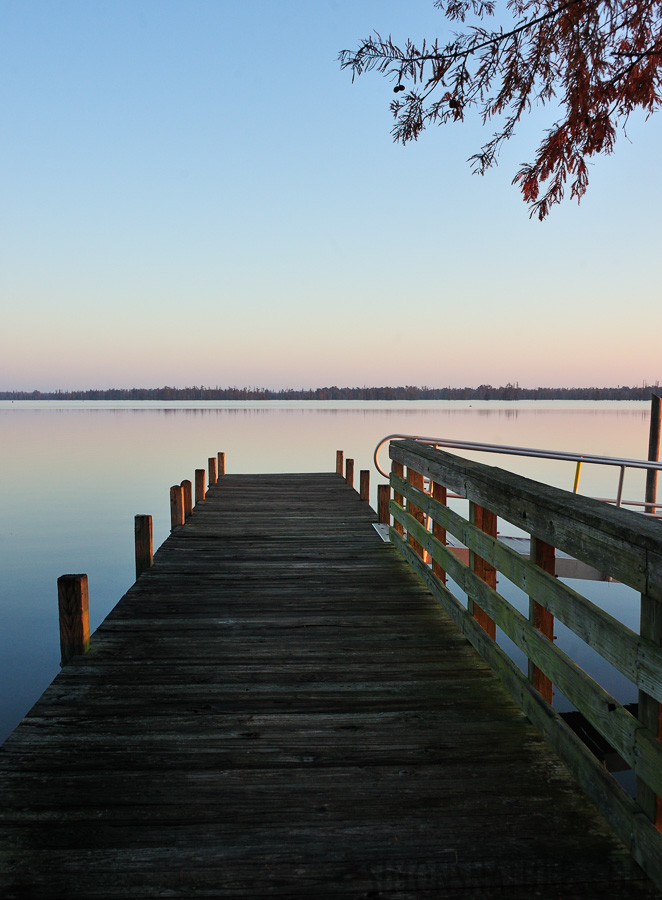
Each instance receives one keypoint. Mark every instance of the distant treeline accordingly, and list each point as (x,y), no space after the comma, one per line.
(409,392)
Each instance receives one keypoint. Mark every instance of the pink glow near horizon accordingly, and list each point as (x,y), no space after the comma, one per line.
(261,229)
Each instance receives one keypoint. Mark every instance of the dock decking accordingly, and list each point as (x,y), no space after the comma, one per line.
(280,708)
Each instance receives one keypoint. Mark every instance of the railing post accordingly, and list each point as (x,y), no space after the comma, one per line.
(440,494)
(653,452)
(349,472)
(187,490)
(578,472)
(398,469)
(221,464)
(487,522)
(543,555)
(364,485)
(415,479)
(176,506)
(199,485)
(339,462)
(649,710)
(383,497)
(213,477)
(73,608)
(143,543)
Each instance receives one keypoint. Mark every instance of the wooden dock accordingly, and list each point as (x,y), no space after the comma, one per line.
(279,707)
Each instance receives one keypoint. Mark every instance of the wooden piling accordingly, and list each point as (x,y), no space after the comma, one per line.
(487,522)
(143,544)
(653,452)
(383,497)
(176,506)
(221,464)
(213,477)
(398,469)
(543,555)
(199,485)
(364,485)
(416,480)
(349,472)
(440,494)
(187,489)
(73,607)
(339,462)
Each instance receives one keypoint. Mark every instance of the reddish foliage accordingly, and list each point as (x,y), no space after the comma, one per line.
(596,60)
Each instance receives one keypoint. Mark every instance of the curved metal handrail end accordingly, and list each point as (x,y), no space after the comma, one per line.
(524,451)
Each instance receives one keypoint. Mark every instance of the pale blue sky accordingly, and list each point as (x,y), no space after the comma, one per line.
(194,193)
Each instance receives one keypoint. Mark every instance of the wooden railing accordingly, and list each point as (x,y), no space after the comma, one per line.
(624,545)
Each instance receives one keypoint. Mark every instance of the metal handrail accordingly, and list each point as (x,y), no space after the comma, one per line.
(577,458)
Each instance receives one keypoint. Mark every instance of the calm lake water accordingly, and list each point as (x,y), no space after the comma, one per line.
(75,474)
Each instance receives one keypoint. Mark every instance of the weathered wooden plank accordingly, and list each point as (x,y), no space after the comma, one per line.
(280,707)
(326,862)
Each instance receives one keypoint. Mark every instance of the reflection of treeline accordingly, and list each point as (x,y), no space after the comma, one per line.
(483,392)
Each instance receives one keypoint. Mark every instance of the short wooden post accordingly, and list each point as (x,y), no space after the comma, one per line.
(649,710)
(73,607)
(653,452)
(364,485)
(213,477)
(487,522)
(339,462)
(221,464)
(143,544)
(187,490)
(415,479)
(543,555)
(199,485)
(398,469)
(383,498)
(349,472)
(440,494)
(176,506)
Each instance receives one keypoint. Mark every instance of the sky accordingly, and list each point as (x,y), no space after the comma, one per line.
(193,193)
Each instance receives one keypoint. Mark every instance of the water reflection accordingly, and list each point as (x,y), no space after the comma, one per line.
(74,476)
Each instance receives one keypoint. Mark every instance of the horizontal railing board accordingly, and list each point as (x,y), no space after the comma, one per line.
(615,541)
(640,660)
(625,733)
(626,817)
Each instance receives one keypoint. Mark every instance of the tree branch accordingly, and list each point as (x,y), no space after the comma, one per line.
(573,50)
